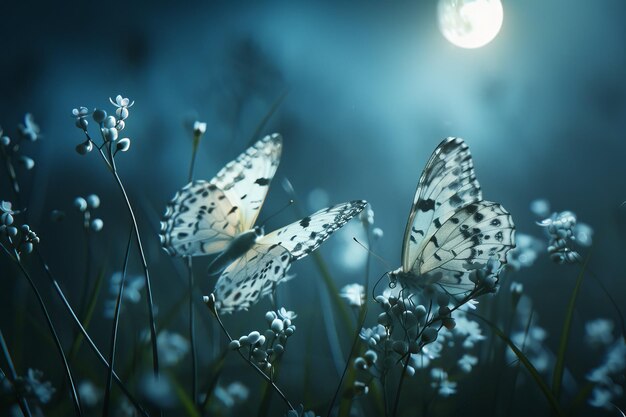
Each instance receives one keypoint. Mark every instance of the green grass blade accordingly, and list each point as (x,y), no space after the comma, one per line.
(91,307)
(216,371)
(545,389)
(559,367)
(185,400)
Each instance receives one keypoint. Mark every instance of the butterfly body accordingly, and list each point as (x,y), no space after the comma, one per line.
(240,244)
(450,226)
(217,217)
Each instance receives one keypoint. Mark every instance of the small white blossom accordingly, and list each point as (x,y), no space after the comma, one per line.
(286,315)
(354,294)
(172,347)
(599,332)
(467,362)
(199,128)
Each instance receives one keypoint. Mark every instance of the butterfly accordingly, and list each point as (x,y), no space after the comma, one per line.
(450,227)
(218,217)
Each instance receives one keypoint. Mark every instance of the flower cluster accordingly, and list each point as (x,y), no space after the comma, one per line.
(172,347)
(231,395)
(562,229)
(404,328)
(110,126)
(85,206)
(21,239)
(132,291)
(30,385)
(526,251)
(267,348)
(608,376)
(354,294)
(27,132)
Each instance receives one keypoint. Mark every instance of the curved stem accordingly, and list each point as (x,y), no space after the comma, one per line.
(144,264)
(192,334)
(91,343)
(116,318)
(12,376)
(68,372)
(192,314)
(252,364)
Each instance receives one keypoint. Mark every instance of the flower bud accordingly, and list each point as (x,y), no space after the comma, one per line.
(93,201)
(84,148)
(26,247)
(270,316)
(109,122)
(96,225)
(429,335)
(123,145)
(449,323)
(254,337)
(234,345)
(99,115)
(277,325)
(6,219)
(360,363)
(122,112)
(110,134)
(27,162)
(5,141)
(80,203)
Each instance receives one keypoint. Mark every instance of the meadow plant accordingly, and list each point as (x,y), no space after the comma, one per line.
(422,337)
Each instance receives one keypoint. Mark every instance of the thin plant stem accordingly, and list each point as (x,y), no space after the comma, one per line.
(192,334)
(91,343)
(192,315)
(12,377)
(87,280)
(213,311)
(68,372)
(474,293)
(360,323)
(116,318)
(144,264)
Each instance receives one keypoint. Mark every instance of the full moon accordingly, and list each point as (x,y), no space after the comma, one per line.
(470,23)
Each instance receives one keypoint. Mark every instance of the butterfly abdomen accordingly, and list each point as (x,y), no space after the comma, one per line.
(241,244)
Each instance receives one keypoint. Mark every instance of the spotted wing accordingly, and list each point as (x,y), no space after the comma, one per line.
(306,235)
(475,233)
(251,277)
(200,220)
(246,180)
(447,184)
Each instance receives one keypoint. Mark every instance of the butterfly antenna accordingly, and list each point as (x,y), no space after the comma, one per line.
(277,213)
(389,268)
(375,285)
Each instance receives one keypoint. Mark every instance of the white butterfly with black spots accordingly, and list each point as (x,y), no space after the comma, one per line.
(217,217)
(450,226)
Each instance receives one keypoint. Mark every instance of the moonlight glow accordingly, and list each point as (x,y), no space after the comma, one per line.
(470,23)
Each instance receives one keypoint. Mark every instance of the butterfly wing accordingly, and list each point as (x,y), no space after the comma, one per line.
(200,220)
(473,234)
(251,277)
(246,180)
(447,184)
(303,237)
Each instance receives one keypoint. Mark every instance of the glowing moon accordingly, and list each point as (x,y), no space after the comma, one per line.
(470,23)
